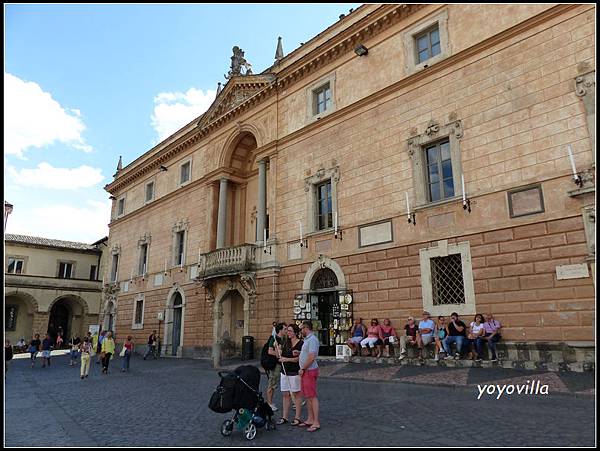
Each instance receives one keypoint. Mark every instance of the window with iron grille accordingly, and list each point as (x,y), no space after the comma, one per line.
(180,248)
(114,268)
(438,161)
(447,280)
(324,207)
(143,259)
(10,317)
(428,44)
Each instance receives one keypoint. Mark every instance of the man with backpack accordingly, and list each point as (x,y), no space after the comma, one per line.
(269,361)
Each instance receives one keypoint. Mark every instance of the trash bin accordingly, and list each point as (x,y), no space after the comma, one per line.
(247,347)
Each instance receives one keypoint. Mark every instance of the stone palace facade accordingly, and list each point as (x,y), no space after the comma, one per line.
(408,157)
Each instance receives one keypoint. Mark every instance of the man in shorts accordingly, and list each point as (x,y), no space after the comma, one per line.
(425,333)
(309,372)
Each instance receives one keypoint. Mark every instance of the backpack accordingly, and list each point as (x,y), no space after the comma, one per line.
(222,400)
(267,361)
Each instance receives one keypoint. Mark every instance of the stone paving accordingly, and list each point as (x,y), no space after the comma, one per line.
(164,403)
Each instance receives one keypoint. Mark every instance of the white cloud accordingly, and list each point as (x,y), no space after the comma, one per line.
(173,110)
(32,118)
(49,177)
(86,223)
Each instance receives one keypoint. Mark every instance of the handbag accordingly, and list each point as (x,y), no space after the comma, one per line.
(122,353)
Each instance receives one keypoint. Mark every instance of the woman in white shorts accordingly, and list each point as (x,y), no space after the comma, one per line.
(289,379)
(374,338)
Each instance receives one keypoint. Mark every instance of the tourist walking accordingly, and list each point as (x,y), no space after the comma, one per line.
(74,344)
(8,355)
(151,345)
(34,348)
(86,349)
(46,350)
(107,352)
(309,372)
(98,345)
(126,353)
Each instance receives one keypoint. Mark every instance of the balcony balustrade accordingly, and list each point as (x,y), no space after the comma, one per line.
(230,260)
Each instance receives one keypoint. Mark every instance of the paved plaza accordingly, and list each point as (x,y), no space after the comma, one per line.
(164,403)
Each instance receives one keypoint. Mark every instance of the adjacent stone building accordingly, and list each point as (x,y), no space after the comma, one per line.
(51,285)
(407,157)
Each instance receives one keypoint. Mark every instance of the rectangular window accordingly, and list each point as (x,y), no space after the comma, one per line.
(64,270)
(428,44)
(121,207)
(322,99)
(15,265)
(440,183)
(185,172)
(143,259)
(180,243)
(93,272)
(149,191)
(447,280)
(139,311)
(114,268)
(324,208)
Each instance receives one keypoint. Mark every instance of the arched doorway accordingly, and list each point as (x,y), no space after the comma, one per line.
(66,316)
(19,311)
(329,302)
(232,323)
(177,321)
(174,323)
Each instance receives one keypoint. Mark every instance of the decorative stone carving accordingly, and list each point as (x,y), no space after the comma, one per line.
(110,292)
(146,238)
(208,289)
(248,283)
(320,175)
(181,225)
(432,127)
(115,249)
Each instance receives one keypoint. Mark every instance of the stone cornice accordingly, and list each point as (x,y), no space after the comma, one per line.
(342,43)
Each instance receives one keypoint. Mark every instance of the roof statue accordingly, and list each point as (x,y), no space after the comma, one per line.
(237,61)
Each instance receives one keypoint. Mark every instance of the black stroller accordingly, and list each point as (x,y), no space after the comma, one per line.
(239,391)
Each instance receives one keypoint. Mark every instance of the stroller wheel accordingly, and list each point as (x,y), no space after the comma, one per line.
(227,428)
(250,431)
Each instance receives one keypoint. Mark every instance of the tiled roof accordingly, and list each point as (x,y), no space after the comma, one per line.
(24,239)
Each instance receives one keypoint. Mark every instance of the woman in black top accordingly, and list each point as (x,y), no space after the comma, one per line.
(289,379)
(34,348)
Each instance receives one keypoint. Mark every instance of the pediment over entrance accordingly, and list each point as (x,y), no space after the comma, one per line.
(237,90)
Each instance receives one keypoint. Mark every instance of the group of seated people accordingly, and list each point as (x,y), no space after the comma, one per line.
(377,338)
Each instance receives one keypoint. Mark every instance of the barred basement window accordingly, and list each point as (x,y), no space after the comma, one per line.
(10,318)
(447,280)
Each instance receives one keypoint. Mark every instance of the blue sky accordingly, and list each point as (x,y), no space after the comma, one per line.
(87,83)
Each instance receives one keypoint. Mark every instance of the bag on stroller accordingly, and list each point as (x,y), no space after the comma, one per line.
(239,391)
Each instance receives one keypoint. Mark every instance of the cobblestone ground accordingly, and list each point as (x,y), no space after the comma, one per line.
(164,403)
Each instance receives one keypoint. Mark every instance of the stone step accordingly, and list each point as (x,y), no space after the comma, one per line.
(467,363)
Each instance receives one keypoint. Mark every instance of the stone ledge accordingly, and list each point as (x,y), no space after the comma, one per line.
(579,367)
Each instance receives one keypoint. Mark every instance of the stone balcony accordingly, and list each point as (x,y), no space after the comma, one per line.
(229,261)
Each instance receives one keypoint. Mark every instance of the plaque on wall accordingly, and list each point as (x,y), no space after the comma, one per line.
(526,201)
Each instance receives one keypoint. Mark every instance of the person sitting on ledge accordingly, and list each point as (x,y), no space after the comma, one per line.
(409,336)
(440,335)
(476,333)
(358,333)
(492,334)
(374,338)
(457,331)
(389,336)
(425,333)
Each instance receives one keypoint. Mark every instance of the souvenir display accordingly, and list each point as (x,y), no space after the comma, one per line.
(297,310)
(306,307)
(308,316)
(335,323)
(296,302)
(302,303)
(344,306)
(348,298)
(298,323)
(301,316)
